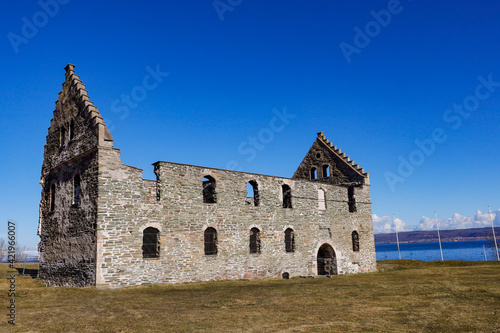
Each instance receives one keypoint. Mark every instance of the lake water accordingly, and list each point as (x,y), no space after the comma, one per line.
(464,250)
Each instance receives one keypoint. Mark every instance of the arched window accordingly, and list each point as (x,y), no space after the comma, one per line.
(321,200)
(52,197)
(352,199)
(289,240)
(76,190)
(254,240)
(71,130)
(150,243)
(287,196)
(62,138)
(253,192)
(209,195)
(210,241)
(326,171)
(314,173)
(355,241)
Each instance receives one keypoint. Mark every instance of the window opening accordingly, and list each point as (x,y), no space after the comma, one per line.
(76,190)
(287,196)
(254,240)
(209,195)
(158,185)
(71,130)
(314,174)
(52,197)
(253,193)
(352,199)
(62,138)
(150,243)
(326,171)
(355,241)
(289,240)
(210,241)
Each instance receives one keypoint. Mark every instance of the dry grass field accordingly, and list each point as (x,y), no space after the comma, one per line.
(404,296)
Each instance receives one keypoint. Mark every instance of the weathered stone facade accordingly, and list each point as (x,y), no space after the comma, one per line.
(97,214)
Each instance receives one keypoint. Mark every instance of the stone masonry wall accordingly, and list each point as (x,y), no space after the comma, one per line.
(97,241)
(67,234)
(128,205)
(67,247)
(67,239)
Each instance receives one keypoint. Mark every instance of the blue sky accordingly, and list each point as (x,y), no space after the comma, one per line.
(375,76)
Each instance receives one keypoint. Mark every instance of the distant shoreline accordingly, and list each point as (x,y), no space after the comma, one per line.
(432,236)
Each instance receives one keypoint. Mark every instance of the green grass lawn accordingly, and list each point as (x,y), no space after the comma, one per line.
(404,296)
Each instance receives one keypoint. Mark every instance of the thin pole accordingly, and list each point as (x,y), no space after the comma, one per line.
(397,238)
(439,236)
(484,252)
(494,237)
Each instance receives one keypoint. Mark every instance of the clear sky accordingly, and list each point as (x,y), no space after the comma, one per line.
(410,90)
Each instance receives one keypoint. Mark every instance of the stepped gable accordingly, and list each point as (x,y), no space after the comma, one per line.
(331,165)
(337,151)
(76,127)
(73,101)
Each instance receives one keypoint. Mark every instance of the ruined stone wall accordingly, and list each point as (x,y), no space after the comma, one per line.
(67,245)
(67,235)
(128,205)
(123,201)
(98,239)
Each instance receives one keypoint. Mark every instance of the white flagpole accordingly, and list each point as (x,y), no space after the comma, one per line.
(494,237)
(439,236)
(397,238)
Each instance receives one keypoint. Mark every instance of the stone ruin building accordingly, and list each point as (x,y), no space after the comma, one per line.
(101,224)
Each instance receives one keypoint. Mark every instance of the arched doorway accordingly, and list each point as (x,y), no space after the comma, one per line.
(327,262)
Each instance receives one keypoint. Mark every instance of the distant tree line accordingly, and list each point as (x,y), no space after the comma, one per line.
(431,235)
(22,252)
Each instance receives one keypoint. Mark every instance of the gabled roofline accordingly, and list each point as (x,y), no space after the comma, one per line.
(347,159)
(104,136)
